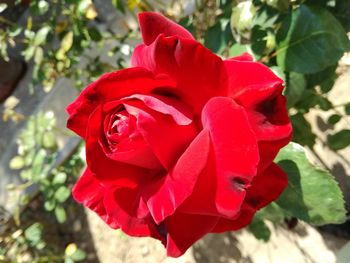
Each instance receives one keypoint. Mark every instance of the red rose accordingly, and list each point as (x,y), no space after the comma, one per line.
(181,144)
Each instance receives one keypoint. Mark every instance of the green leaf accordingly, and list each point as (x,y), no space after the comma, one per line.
(60,214)
(68,260)
(49,140)
(259,37)
(259,229)
(214,38)
(49,205)
(39,7)
(347,108)
(339,140)
(296,85)
(312,194)
(15,30)
(78,255)
(41,245)
(277,70)
(309,47)
(342,13)
(40,36)
(302,132)
(62,194)
(33,234)
(324,103)
(39,55)
(28,53)
(95,34)
(187,22)
(238,49)
(16,163)
(274,213)
(310,99)
(83,5)
(67,42)
(333,119)
(38,163)
(43,7)
(266,18)
(59,178)
(281,5)
(325,78)
(72,1)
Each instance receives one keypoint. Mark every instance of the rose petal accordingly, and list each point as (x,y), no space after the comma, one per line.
(184,230)
(248,76)
(266,187)
(235,150)
(198,72)
(272,128)
(243,57)
(270,119)
(153,24)
(126,219)
(142,157)
(167,139)
(134,151)
(166,194)
(261,95)
(232,163)
(103,201)
(110,87)
(107,171)
(178,111)
(89,192)
(243,219)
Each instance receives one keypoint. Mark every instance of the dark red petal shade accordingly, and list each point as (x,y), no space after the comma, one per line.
(185,229)
(153,24)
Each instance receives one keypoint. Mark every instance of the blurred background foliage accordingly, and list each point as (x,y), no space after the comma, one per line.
(300,40)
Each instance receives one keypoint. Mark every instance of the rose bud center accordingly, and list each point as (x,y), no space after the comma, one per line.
(123,142)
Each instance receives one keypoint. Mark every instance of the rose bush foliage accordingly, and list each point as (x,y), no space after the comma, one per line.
(182,143)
